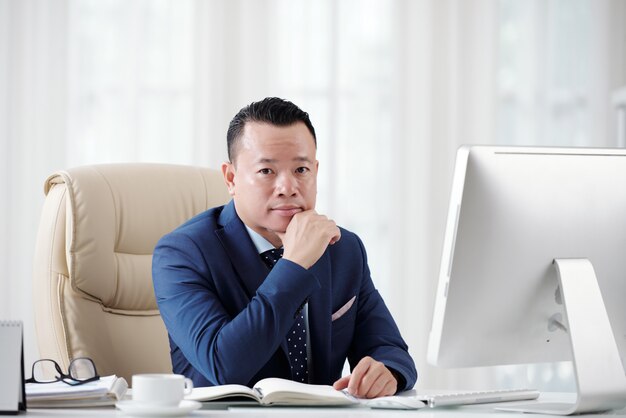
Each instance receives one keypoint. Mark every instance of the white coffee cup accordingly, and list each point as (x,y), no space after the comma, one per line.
(160,389)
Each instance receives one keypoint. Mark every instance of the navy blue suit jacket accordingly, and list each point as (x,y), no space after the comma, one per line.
(227,314)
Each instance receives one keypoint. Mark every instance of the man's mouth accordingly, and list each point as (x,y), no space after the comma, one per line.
(286,210)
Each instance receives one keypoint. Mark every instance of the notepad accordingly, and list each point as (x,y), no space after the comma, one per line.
(12,395)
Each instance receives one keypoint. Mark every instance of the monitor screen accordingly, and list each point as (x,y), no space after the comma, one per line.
(512,212)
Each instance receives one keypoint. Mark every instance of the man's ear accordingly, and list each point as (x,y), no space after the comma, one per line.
(228,170)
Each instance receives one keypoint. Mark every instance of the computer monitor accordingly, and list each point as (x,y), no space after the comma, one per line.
(527,228)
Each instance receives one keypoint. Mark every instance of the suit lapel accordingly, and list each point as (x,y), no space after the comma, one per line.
(242,252)
(319,320)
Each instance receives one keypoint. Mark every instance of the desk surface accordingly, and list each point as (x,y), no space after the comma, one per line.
(283,412)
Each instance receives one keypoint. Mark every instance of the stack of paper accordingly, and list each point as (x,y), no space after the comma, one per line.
(105,391)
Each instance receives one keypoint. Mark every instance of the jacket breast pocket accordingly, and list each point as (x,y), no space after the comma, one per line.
(346,319)
(342,334)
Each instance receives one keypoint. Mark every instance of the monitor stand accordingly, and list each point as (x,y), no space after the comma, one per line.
(600,377)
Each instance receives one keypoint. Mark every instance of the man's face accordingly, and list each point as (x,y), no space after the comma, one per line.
(273,176)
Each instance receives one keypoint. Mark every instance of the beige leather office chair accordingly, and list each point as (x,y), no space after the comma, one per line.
(92,273)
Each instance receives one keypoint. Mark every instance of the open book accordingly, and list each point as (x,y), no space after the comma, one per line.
(276,391)
(105,391)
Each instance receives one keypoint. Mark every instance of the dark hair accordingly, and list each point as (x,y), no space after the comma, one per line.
(270,110)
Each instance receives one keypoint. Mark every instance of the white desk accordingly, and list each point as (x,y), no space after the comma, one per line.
(284,412)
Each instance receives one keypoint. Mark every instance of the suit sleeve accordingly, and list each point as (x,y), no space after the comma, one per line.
(376,333)
(224,349)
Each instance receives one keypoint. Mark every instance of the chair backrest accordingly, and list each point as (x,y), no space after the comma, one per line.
(92,273)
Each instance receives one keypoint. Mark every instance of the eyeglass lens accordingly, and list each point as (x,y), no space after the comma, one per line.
(45,371)
(82,369)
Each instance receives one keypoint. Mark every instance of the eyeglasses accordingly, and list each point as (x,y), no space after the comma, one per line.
(81,370)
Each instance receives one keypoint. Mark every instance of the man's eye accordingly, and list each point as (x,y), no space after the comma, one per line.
(302,170)
(265,171)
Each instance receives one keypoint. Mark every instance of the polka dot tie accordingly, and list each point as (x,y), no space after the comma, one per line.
(296,337)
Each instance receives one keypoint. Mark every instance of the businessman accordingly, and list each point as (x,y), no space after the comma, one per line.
(267,287)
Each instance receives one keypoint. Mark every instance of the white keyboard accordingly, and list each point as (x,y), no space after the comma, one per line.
(468,398)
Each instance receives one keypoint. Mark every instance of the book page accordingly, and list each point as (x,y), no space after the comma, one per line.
(287,392)
(211,393)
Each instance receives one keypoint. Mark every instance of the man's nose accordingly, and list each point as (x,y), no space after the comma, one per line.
(286,184)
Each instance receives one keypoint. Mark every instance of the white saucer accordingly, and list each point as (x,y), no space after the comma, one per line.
(142,410)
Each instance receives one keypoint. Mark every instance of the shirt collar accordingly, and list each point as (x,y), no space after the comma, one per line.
(259,242)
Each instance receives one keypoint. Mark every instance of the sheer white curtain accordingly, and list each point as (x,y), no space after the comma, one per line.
(393,87)
(33,118)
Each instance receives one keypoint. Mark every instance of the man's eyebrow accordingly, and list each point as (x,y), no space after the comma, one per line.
(273,160)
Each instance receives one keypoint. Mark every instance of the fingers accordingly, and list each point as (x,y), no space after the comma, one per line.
(342,383)
(385,385)
(326,226)
(307,237)
(370,379)
(354,387)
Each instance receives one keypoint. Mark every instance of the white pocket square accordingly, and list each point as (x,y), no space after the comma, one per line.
(343,309)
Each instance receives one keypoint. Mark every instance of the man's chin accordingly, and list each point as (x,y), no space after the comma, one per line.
(278,227)
(276,230)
